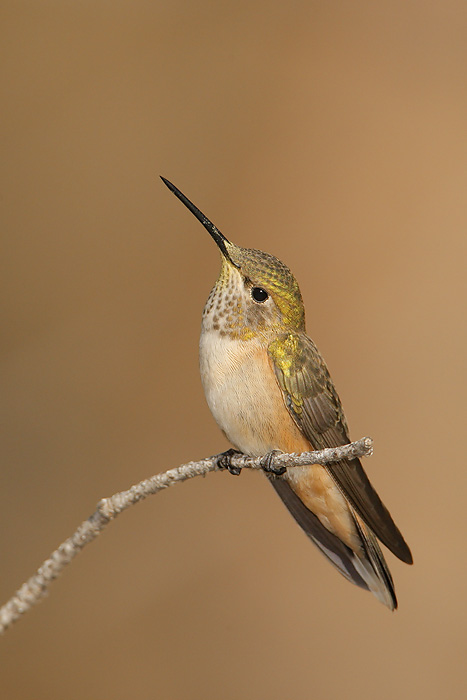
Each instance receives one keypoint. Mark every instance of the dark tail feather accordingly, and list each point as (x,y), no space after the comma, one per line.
(367,570)
(385,592)
(331,546)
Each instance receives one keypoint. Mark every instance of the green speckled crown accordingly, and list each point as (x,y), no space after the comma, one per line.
(242,267)
(264,270)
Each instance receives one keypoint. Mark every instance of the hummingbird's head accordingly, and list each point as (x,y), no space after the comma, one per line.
(255,293)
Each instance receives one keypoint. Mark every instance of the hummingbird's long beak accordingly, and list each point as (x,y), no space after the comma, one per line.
(219,237)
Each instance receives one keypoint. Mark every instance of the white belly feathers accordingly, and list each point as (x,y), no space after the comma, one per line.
(241,391)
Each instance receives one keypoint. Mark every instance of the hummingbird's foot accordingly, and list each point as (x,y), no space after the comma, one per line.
(224,461)
(266,463)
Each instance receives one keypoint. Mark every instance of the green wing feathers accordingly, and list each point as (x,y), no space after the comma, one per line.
(315,406)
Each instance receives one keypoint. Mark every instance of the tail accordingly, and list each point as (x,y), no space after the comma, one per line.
(373,566)
(366,569)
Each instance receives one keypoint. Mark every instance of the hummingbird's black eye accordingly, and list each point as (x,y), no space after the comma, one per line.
(259,294)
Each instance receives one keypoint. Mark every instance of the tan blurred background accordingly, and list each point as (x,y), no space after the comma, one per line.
(332,135)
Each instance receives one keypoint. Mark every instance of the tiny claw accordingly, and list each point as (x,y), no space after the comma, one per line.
(224,461)
(266,463)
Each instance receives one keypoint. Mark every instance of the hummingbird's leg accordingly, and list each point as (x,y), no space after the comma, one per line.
(266,463)
(224,461)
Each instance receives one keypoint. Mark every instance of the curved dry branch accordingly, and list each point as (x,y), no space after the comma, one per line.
(107,509)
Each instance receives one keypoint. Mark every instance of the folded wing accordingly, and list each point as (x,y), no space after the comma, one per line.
(314,405)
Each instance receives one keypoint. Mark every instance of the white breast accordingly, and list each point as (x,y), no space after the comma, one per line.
(241,391)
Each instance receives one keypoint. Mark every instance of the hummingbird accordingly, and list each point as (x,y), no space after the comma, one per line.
(269,390)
